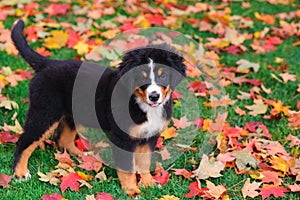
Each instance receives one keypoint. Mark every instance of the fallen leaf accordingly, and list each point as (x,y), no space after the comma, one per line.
(208,169)
(64,158)
(162,178)
(4,180)
(288,77)
(53,196)
(50,177)
(249,189)
(70,181)
(57,39)
(7,137)
(90,163)
(259,107)
(104,196)
(165,154)
(195,190)
(294,188)
(245,64)
(214,191)
(244,159)
(182,123)
(271,177)
(277,191)
(169,133)
(169,197)
(183,172)
(295,141)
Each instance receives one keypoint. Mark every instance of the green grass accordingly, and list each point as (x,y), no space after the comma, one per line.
(44,160)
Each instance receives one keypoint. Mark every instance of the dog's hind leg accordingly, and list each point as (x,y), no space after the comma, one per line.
(65,136)
(38,126)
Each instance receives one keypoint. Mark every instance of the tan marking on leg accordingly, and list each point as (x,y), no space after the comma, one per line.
(142,157)
(128,183)
(66,140)
(22,167)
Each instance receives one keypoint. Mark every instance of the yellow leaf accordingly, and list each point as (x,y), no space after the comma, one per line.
(110,33)
(169,197)
(206,124)
(169,133)
(222,44)
(142,22)
(84,176)
(256,175)
(81,47)
(280,164)
(170,1)
(57,39)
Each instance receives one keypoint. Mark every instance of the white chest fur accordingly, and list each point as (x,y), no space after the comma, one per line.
(155,122)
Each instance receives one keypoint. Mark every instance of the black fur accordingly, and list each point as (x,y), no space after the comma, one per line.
(50,94)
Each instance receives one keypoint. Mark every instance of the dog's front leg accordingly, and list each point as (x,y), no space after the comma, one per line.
(129,183)
(125,165)
(142,158)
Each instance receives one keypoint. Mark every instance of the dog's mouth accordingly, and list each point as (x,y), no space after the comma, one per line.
(153,104)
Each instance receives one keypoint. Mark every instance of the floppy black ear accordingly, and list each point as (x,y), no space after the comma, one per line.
(178,71)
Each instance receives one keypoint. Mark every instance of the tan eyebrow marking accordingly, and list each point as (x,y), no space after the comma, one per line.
(160,71)
(144,74)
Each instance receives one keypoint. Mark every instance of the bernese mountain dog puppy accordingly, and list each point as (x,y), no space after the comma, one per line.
(141,88)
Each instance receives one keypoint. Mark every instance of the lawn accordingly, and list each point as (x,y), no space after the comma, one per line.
(265,34)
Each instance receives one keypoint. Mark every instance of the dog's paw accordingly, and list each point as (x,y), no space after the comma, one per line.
(147,180)
(133,192)
(25,177)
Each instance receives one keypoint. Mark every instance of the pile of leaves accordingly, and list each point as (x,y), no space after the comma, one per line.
(245,138)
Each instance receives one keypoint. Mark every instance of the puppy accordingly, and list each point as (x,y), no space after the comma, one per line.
(132,104)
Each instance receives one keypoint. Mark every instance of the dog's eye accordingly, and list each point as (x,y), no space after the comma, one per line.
(163,76)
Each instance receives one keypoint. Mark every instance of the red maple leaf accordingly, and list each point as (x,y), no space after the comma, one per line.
(53,196)
(197,86)
(159,143)
(71,181)
(4,180)
(177,95)
(195,190)
(7,137)
(198,122)
(155,19)
(162,178)
(82,144)
(104,196)
(277,191)
(56,9)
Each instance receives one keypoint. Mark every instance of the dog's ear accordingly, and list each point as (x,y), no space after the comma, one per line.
(178,72)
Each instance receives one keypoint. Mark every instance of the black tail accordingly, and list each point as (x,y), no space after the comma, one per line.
(35,60)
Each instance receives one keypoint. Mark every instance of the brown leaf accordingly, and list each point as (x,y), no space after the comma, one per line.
(259,107)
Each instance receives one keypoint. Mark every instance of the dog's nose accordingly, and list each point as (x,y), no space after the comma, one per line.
(153,96)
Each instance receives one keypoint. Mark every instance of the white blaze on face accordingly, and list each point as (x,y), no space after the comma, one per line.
(153,88)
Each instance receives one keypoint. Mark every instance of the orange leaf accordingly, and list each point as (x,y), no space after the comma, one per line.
(169,133)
